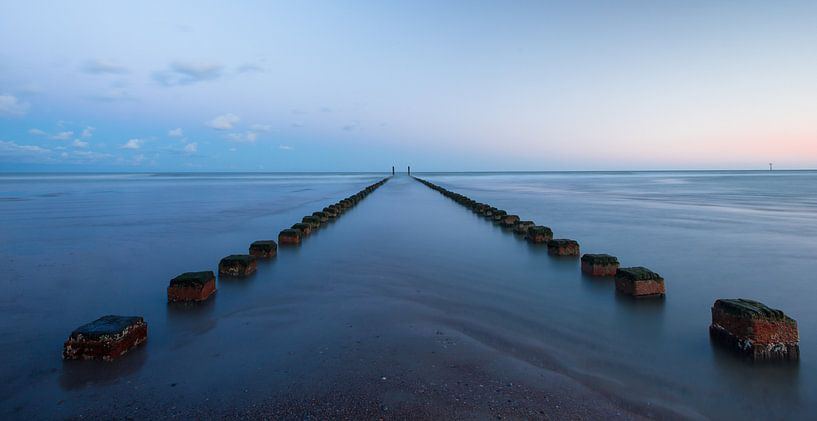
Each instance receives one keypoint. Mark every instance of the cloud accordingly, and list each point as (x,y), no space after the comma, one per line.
(176,132)
(37,132)
(79,144)
(63,135)
(261,127)
(186,73)
(88,131)
(223,122)
(10,106)
(11,148)
(285,147)
(349,127)
(133,144)
(247,137)
(113,95)
(191,147)
(251,68)
(99,67)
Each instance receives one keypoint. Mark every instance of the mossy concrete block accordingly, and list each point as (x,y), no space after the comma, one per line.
(639,282)
(304,228)
(237,265)
(522,227)
(290,237)
(330,212)
(263,249)
(314,222)
(600,264)
(539,234)
(755,330)
(322,217)
(106,338)
(563,247)
(509,221)
(192,286)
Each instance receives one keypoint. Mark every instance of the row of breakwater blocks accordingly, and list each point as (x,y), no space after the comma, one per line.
(110,337)
(750,328)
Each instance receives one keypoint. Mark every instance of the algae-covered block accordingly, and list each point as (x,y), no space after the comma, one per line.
(522,227)
(489,212)
(539,234)
(639,282)
(322,217)
(755,330)
(498,215)
(509,221)
(290,236)
(599,264)
(304,228)
(264,249)
(237,265)
(106,338)
(563,247)
(330,212)
(312,221)
(192,286)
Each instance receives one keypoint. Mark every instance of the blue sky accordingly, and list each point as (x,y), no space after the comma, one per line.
(345,86)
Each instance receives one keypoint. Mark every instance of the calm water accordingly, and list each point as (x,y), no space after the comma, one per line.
(409,299)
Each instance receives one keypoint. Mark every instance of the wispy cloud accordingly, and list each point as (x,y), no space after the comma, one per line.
(10,147)
(176,132)
(191,148)
(186,73)
(37,132)
(88,131)
(99,67)
(62,135)
(223,122)
(285,147)
(133,144)
(261,127)
(79,144)
(10,106)
(113,95)
(251,68)
(246,137)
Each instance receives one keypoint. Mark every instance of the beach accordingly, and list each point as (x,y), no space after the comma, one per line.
(409,305)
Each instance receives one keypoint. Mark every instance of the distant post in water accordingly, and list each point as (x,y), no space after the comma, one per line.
(409,170)
(392,170)
(770,166)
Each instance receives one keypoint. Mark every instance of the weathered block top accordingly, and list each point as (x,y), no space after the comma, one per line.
(511,217)
(750,309)
(289,232)
(310,218)
(540,229)
(299,226)
(562,242)
(264,244)
(527,223)
(600,259)
(191,279)
(106,326)
(500,212)
(319,214)
(638,273)
(244,259)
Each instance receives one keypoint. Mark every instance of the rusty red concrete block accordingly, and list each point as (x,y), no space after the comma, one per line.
(106,338)
(192,286)
(237,265)
(263,249)
(755,330)
(539,234)
(599,264)
(289,237)
(639,282)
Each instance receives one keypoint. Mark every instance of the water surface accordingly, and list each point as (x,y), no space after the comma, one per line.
(409,302)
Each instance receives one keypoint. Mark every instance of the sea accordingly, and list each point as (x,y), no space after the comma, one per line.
(408,305)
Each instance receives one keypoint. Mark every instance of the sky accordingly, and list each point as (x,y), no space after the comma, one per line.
(441,86)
